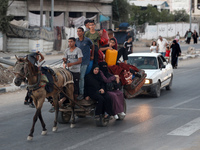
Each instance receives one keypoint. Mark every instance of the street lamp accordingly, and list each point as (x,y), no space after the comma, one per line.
(190,12)
(52,14)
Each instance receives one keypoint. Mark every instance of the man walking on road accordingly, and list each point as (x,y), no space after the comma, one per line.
(162,44)
(84,44)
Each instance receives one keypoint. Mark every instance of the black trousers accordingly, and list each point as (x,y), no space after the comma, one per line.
(122,52)
(96,49)
(195,40)
(28,97)
(104,103)
(188,40)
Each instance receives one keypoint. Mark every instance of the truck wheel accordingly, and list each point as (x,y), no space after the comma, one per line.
(63,117)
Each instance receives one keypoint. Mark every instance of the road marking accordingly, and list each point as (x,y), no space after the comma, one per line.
(89,140)
(187,129)
(187,101)
(147,125)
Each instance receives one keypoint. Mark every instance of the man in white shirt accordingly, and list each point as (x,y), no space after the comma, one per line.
(161,45)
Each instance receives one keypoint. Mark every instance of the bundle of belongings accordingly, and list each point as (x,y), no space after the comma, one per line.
(131,78)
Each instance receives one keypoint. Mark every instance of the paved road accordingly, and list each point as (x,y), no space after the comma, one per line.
(171,122)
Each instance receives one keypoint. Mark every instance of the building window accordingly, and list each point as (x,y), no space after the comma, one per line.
(75,14)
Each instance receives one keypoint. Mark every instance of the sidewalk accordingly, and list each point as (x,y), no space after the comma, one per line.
(12,87)
(11,55)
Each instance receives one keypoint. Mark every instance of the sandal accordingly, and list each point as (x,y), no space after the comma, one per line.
(107,117)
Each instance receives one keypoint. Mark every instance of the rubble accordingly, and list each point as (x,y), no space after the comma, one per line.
(6,75)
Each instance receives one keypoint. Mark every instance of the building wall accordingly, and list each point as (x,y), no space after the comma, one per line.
(17,8)
(66,7)
(168,30)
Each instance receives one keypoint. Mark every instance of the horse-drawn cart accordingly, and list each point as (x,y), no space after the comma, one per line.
(24,69)
(85,108)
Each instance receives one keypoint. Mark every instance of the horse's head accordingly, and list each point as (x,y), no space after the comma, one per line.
(19,71)
(23,69)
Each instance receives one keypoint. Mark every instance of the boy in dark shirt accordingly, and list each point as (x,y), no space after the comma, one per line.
(128,45)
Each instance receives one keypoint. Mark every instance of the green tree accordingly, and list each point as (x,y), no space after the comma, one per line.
(165,16)
(181,16)
(120,10)
(150,14)
(4,19)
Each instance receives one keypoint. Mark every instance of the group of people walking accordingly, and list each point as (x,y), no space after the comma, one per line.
(166,49)
(189,34)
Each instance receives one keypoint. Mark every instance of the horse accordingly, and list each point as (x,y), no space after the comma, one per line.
(24,69)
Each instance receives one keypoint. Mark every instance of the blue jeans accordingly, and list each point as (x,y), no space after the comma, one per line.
(81,80)
(163,53)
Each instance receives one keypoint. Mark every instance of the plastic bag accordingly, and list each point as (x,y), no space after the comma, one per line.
(104,38)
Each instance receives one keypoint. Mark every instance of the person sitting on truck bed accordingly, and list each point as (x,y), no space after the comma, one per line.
(95,89)
(116,95)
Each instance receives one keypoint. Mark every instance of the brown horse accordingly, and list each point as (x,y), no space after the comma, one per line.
(25,70)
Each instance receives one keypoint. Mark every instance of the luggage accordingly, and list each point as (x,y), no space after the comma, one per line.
(134,89)
(111,57)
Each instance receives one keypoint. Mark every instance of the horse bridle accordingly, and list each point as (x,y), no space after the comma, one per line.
(23,76)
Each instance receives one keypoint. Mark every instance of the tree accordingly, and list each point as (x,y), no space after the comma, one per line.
(150,14)
(120,10)
(181,16)
(4,19)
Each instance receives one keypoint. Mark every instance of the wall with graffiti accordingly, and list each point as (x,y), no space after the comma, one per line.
(168,30)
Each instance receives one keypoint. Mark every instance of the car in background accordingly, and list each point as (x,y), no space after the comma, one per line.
(159,72)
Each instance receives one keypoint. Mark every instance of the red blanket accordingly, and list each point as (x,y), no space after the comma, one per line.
(119,70)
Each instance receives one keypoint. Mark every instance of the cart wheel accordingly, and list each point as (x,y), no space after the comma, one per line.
(120,116)
(101,122)
(63,117)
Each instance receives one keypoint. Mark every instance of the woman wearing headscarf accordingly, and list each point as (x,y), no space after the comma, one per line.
(175,53)
(116,95)
(95,89)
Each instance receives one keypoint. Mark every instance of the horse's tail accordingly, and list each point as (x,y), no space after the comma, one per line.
(66,74)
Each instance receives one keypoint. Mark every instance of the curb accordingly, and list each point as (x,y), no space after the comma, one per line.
(45,54)
(11,88)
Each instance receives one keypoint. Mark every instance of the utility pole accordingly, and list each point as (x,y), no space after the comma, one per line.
(190,13)
(41,14)
(52,14)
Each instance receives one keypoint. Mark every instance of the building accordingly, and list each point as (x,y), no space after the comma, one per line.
(172,4)
(68,15)
(160,5)
(23,9)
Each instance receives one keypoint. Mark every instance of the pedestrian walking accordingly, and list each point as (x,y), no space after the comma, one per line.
(161,45)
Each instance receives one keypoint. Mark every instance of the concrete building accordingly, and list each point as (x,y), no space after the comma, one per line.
(161,5)
(67,14)
(20,9)
(173,4)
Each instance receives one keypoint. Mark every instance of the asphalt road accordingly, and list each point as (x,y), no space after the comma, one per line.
(171,122)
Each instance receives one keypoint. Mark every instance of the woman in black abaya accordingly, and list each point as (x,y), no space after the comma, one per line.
(175,53)
(95,89)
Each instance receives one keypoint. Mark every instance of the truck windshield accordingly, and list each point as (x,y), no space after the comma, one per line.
(143,62)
